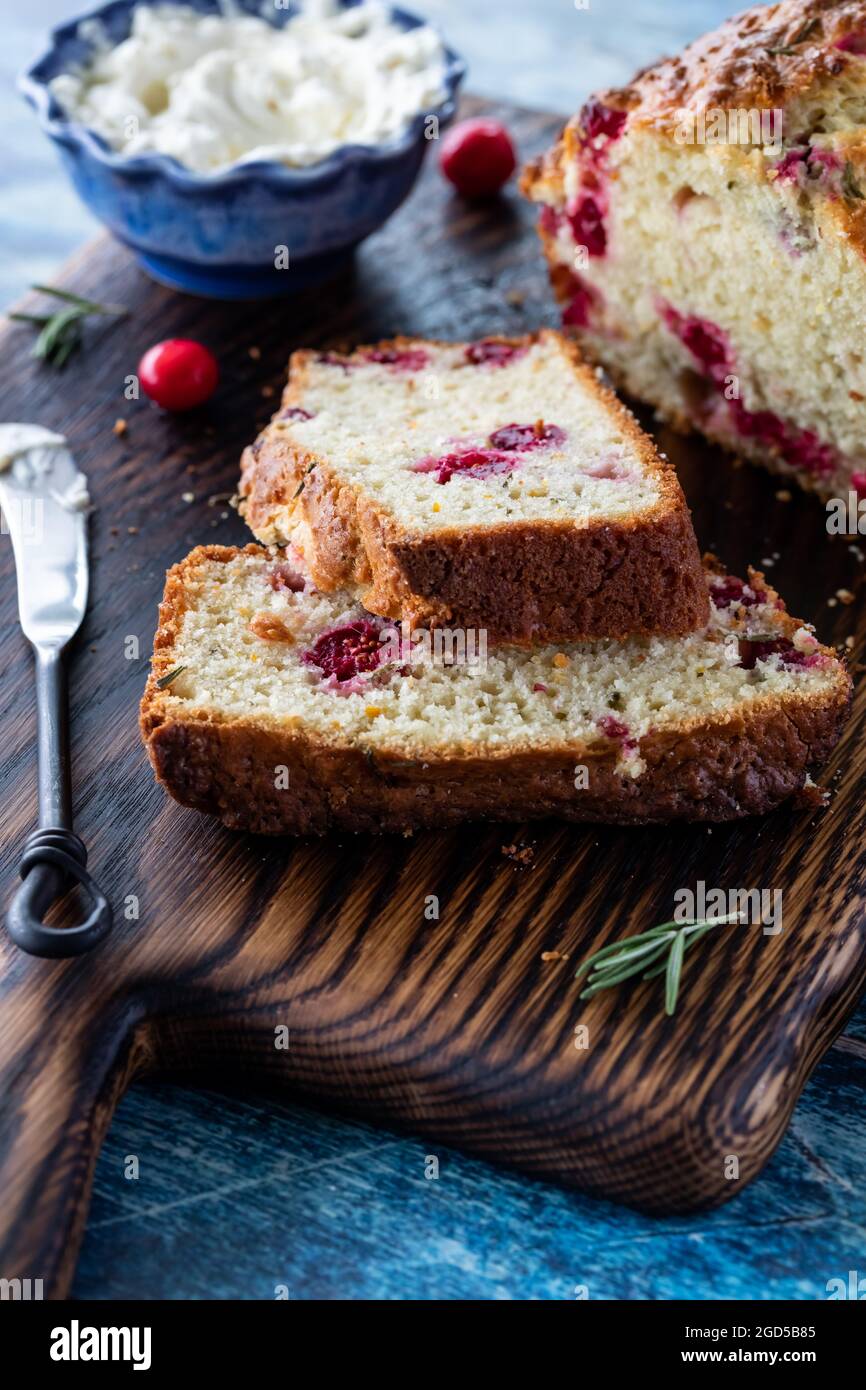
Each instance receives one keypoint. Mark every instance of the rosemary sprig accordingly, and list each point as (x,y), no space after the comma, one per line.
(60,333)
(807,32)
(850,187)
(166,680)
(303,483)
(659,951)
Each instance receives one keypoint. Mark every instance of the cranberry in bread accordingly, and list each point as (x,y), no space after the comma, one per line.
(285,710)
(705,230)
(494,485)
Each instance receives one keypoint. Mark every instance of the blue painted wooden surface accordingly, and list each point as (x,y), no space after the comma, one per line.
(237,1194)
(240,1194)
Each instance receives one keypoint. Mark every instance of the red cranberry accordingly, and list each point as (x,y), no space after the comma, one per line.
(335,359)
(800,448)
(521,437)
(805,162)
(597,119)
(730,590)
(481,463)
(612,727)
(282,578)
(757,424)
(710,347)
(582,302)
(491,353)
(478,157)
(587,225)
(803,449)
(852,43)
(549,221)
(790,656)
(858,482)
(704,340)
(178,374)
(294,412)
(791,163)
(823,161)
(707,343)
(344,652)
(401,359)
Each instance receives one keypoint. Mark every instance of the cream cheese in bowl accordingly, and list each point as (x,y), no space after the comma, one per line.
(243,149)
(215,90)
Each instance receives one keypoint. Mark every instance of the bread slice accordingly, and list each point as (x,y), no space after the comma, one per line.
(720,204)
(491,485)
(280,709)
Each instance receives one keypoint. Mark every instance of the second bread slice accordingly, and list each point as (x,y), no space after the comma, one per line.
(494,485)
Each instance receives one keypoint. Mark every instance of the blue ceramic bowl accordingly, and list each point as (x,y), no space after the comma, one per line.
(217,234)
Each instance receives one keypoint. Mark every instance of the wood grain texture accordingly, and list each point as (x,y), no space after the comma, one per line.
(456,1028)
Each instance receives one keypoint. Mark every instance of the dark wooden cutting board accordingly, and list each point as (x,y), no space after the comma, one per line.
(463,1028)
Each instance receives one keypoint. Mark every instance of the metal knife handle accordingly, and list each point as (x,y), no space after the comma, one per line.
(53,854)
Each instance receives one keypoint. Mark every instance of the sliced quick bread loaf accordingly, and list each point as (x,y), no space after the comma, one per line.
(282,709)
(706,232)
(491,485)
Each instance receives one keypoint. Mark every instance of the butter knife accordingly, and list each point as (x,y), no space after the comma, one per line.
(44,502)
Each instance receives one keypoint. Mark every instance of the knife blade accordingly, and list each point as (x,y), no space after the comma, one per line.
(44,502)
(43,499)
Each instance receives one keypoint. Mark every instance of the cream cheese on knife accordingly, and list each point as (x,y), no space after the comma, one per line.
(29,454)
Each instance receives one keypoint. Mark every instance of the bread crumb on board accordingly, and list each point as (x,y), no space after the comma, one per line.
(811,797)
(519,854)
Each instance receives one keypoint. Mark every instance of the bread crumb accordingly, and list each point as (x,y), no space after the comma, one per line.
(845,596)
(783,495)
(519,854)
(120,427)
(132,530)
(560,659)
(554,955)
(515,297)
(255,353)
(270,628)
(811,797)
(849,643)
(267,391)
(187,497)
